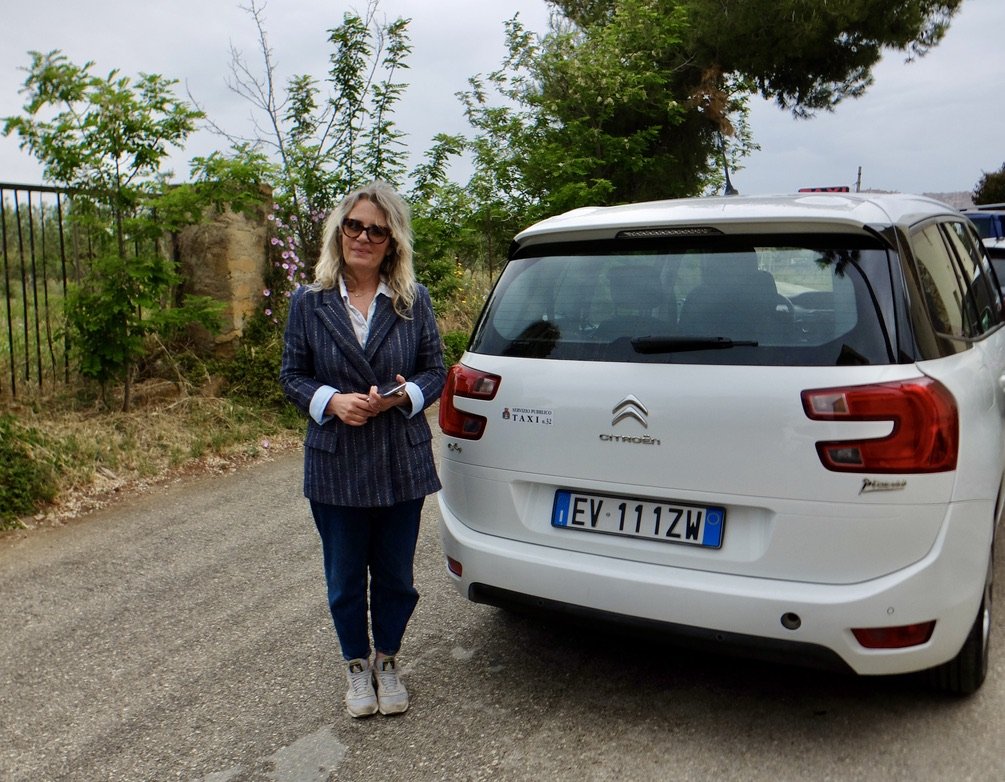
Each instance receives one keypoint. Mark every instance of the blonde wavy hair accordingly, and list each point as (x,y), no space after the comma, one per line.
(396,267)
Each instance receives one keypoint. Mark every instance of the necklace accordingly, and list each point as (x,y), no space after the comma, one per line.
(359,293)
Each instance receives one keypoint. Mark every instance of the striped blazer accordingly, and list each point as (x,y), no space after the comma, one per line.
(390,458)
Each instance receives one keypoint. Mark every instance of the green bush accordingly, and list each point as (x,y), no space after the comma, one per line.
(454,345)
(443,278)
(25,481)
(253,373)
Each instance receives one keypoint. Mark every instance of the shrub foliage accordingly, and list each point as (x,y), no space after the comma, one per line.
(26,479)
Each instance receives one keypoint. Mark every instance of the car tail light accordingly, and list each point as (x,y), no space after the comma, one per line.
(894,637)
(925,436)
(465,382)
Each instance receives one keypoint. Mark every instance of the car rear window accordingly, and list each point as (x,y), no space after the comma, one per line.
(770,300)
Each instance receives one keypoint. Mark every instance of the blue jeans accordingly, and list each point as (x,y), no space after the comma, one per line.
(375,542)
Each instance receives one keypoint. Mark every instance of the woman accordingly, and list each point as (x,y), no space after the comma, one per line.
(368,463)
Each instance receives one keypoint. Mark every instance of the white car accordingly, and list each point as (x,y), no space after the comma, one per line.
(768,423)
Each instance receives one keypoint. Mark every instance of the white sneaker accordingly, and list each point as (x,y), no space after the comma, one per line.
(392,697)
(360,698)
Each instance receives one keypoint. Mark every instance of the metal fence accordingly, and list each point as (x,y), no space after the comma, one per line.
(38,257)
(52,238)
(43,250)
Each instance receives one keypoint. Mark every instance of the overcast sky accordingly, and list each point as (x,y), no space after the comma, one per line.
(931,126)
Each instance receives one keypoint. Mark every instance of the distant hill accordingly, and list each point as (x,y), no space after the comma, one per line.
(957,200)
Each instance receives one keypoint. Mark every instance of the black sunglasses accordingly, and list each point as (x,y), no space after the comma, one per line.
(375,233)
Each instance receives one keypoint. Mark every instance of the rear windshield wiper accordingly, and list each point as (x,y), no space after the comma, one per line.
(681,344)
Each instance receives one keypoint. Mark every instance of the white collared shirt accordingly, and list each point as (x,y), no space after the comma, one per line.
(361,322)
(361,328)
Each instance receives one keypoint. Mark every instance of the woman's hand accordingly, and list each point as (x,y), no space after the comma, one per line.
(356,409)
(379,403)
(352,409)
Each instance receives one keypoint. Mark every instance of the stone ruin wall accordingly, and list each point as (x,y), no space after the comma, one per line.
(225,258)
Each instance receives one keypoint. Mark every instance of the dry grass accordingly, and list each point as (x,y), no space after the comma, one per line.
(102,455)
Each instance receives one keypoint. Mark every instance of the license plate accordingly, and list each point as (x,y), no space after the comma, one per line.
(670,522)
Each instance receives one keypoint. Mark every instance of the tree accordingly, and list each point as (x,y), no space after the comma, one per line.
(991,187)
(587,118)
(503,194)
(440,212)
(626,100)
(106,137)
(625,91)
(807,55)
(326,144)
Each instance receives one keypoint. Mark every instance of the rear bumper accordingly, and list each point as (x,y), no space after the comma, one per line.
(718,641)
(741,611)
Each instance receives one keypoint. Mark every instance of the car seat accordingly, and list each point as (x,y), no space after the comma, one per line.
(641,308)
(736,300)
